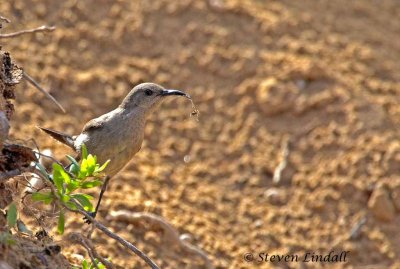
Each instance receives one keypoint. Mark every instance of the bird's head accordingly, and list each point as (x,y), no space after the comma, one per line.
(147,96)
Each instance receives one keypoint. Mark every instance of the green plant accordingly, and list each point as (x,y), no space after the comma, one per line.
(87,265)
(83,175)
(7,239)
(12,215)
(90,265)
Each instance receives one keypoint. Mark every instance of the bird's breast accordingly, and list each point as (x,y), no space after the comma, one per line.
(117,140)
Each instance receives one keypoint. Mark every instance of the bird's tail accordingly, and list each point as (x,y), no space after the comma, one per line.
(63,138)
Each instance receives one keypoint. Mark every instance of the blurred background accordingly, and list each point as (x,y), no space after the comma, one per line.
(312,83)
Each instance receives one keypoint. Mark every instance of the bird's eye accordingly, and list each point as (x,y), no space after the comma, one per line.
(148,92)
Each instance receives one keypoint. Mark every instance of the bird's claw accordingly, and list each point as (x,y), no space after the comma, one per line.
(86,220)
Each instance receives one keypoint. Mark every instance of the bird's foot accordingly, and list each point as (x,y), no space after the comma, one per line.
(92,214)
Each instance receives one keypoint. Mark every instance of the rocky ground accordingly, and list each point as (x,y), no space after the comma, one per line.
(319,78)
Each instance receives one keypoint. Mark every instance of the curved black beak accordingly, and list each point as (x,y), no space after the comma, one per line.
(172,92)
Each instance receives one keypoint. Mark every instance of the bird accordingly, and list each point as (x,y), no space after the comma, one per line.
(117,135)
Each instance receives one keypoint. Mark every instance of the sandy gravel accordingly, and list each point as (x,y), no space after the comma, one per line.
(323,75)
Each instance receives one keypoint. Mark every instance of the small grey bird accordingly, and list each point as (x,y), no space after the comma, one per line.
(118,135)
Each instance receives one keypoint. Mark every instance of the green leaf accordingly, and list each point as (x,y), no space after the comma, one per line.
(66,178)
(84,169)
(91,184)
(42,170)
(12,215)
(58,177)
(101,168)
(85,264)
(75,167)
(84,200)
(7,239)
(71,205)
(84,151)
(61,222)
(99,264)
(72,186)
(46,197)
(72,160)
(91,164)
(64,198)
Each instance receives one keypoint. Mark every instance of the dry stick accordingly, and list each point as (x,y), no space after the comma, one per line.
(29,184)
(87,244)
(356,230)
(282,165)
(110,234)
(74,237)
(4,19)
(94,263)
(43,28)
(37,86)
(101,227)
(48,156)
(171,234)
(354,233)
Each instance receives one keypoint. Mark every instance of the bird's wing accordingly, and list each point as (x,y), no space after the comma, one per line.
(92,125)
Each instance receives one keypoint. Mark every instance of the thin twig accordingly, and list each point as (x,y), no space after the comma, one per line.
(29,184)
(87,244)
(43,28)
(356,230)
(94,263)
(354,233)
(282,165)
(48,156)
(2,18)
(110,234)
(101,227)
(75,238)
(119,239)
(37,86)
(171,235)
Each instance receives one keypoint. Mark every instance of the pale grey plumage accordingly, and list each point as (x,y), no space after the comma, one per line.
(118,135)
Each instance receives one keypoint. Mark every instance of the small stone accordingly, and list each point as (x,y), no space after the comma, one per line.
(258,223)
(187,159)
(186,237)
(301,84)
(396,197)
(381,205)
(275,196)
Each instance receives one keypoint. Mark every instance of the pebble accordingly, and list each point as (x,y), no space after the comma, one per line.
(275,196)
(396,197)
(381,205)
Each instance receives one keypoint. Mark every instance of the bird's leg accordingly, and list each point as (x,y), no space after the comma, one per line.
(103,189)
